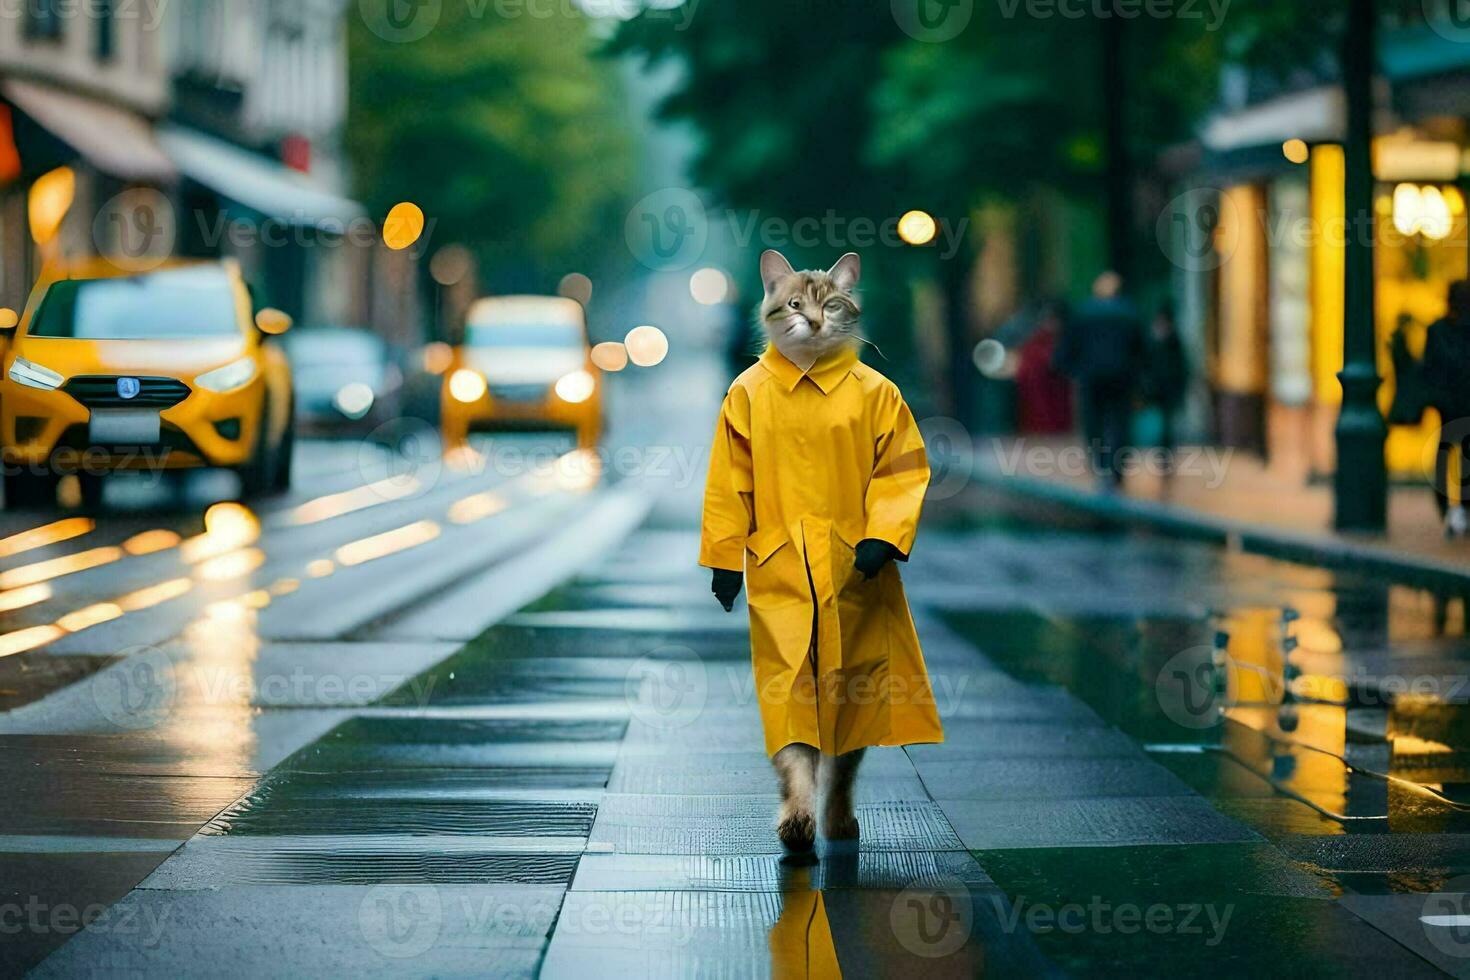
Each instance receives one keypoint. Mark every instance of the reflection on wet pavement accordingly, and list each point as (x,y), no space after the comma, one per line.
(1312,707)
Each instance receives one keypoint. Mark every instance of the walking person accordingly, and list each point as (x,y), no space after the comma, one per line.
(1043,394)
(1102,349)
(1165,379)
(1446,377)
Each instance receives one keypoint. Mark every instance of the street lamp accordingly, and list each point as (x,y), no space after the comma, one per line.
(1360,485)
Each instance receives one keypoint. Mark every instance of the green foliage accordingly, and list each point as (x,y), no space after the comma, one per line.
(508,132)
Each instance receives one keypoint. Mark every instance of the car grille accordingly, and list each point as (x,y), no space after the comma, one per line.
(519,393)
(101,392)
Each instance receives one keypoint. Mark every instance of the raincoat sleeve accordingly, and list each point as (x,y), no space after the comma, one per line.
(900,475)
(730,487)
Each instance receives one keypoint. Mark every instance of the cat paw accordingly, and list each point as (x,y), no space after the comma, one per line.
(840,826)
(798,831)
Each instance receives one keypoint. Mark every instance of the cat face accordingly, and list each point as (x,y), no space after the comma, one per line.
(807,315)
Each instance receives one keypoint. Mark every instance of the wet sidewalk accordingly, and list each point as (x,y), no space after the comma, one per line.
(1232,497)
(582,791)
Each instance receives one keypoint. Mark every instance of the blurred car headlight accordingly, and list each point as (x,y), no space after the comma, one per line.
(577,387)
(354,400)
(33,375)
(229,377)
(467,386)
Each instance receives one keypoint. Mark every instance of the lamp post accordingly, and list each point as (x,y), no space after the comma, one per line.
(1361,483)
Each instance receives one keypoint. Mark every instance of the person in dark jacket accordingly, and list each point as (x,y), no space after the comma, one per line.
(1165,376)
(1446,376)
(1102,350)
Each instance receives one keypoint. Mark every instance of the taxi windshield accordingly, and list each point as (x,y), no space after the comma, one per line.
(178,303)
(524,335)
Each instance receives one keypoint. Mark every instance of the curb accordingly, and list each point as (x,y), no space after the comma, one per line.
(1303,548)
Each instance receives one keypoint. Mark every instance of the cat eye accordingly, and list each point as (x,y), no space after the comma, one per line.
(834,307)
(795,304)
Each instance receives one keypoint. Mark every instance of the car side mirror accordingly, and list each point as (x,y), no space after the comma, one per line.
(9,319)
(272,321)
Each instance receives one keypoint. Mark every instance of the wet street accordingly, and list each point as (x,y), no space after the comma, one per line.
(481,716)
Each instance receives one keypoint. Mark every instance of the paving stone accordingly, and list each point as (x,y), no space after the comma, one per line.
(214,862)
(440,930)
(1100,822)
(1050,779)
(736,824)
(771,872)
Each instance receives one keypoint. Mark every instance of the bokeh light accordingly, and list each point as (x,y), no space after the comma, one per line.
(647,346)
(575,286)
(451,265)
(437,357)
(709,287)
(467,386)
(403,226)
(1296,151)
(990,357)
(917,228)
(611,356)
(51,197)
(576,388)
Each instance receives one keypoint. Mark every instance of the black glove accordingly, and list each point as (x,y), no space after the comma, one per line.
(726,586)
(871,555)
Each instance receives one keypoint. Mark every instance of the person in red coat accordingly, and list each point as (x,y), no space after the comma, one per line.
(1043,393)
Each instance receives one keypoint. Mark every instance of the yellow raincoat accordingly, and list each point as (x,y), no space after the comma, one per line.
(803,467)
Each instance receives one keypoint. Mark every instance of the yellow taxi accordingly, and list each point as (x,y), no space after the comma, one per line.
(168,369)
(525,363)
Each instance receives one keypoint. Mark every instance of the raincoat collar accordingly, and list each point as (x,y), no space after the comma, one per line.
(826,374)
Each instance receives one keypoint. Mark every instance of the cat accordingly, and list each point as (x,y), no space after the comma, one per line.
(806,316)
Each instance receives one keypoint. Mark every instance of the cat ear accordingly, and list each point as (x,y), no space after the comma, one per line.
(847,272)
(774,268)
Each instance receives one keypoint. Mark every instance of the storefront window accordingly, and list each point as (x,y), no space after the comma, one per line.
(43,20)
(106,40)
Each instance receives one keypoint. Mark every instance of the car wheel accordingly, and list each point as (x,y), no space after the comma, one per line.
(30,491)
(258,475)
(91,485)
(285,453)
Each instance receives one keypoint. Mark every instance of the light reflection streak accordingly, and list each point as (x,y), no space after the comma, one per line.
(350,501)
(388,543)
(40,537)
(25,596)
(477,507)
(44,571)
(151,542)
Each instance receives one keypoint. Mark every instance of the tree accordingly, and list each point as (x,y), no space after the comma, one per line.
(508,132)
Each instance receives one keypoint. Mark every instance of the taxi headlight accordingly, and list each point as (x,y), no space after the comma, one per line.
(33,375)
(577,387)
(467,386)
(229,377)
(354,400)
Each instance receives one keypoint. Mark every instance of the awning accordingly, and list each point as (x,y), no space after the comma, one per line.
(1316,115)
(258,183)
(112,139)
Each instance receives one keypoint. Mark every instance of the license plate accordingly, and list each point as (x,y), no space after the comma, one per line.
(124,427)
